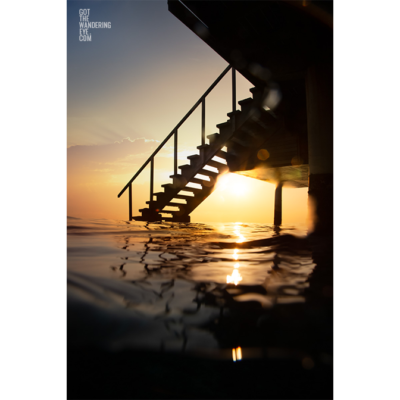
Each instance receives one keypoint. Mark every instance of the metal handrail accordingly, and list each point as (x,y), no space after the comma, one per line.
(175,130)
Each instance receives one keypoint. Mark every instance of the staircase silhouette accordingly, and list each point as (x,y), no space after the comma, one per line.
(198,179)
(198,171)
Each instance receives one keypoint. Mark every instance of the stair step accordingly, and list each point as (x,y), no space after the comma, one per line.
(152,203)
(178,213)
(203,146)
(240,141)
(197,180)
(257,93)
(168,186)
(179,180)
(183,197)
(185,218)
(208,173)
(169,212)
(245,102)
(221,154)
(183,167)
(256,90)
(174,204)
(223,125)
(194,159)
(147,211)
(232,113)
(212,138)
(216,164)
(190,189)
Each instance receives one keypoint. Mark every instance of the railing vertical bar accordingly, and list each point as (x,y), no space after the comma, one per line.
(234,97)
(130,202)
(176,152)
(151,181)
(203,122)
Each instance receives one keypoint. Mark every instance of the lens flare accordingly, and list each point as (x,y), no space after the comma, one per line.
(236,354)
(263,154)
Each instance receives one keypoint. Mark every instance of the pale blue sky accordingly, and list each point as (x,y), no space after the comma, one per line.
(140,77)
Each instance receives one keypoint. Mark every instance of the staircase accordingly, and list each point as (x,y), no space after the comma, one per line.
(197,180)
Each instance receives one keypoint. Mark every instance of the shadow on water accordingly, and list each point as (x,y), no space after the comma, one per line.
(173,319)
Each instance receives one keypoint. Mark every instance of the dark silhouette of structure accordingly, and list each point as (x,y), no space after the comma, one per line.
(284,132)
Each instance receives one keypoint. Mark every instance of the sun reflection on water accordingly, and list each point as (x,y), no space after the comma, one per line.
(235,277)
(237,232)
(236,354)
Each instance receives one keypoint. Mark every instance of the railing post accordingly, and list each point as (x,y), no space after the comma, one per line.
(203,122)
(151,181)
(176,152)
(233,98)
(130,202)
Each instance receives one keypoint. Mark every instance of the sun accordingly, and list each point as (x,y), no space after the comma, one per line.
(233,184)
(239,189)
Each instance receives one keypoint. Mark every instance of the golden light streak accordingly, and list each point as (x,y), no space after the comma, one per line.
(239,353)
(236,354)
(237,232)
(234,278)
(235,254)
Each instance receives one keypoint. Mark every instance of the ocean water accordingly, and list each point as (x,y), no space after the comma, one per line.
(173,286)
(232,292)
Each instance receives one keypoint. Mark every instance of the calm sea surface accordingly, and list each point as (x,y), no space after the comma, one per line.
(172,310)
(165,285)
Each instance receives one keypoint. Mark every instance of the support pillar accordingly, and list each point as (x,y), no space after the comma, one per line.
(278,204)
(319,92)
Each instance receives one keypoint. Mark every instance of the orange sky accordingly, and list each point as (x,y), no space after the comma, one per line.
(126,91)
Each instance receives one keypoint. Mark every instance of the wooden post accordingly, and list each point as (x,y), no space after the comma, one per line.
(278,204)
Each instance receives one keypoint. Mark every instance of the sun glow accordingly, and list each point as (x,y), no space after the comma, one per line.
(233,184)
